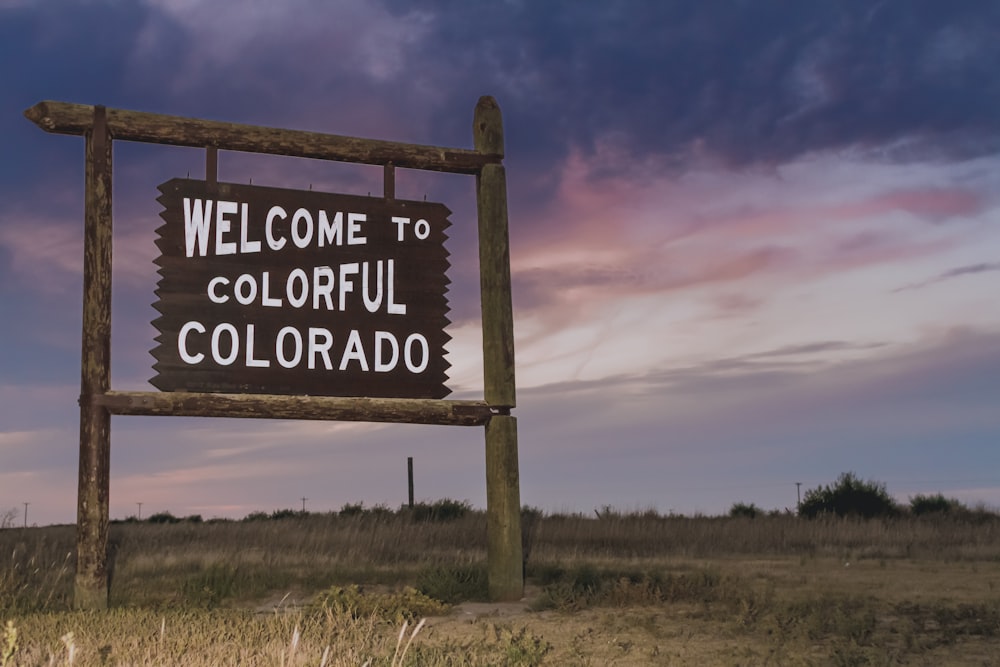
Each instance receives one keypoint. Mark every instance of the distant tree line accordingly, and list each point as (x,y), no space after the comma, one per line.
(439,510)
(847,496)
(851,496)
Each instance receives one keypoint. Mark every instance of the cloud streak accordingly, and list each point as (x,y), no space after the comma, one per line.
(971,270)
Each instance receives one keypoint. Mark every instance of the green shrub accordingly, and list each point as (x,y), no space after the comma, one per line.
(743,510)
(162,517)
(352,509)
(921,505)
(441,510)
(454,583)
(408,604)
(849,496)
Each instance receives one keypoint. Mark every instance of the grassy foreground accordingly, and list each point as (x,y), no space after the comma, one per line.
(640,589)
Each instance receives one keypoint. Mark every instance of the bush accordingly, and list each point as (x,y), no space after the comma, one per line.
(162,517)
(849,496)
(921,505)
(743,510)
(441,510)
(349,509)
(452,584)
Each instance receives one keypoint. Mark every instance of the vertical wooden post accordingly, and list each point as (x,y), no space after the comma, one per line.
(91,586)
(503,495)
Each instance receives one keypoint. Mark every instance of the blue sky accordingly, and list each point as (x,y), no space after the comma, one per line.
(752,244)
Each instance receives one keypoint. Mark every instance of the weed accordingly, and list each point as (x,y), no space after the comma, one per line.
(519,647)
(454,583)
(8,646)
(405,605)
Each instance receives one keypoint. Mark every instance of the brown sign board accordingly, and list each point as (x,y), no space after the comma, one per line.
(276,291)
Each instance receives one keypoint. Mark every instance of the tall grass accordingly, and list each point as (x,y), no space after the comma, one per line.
(785,590)
(36,568)
(218,563)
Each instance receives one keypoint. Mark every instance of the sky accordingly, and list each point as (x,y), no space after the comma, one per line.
(753,244)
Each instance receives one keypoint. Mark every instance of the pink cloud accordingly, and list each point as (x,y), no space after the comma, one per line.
(47,254)
(43,252)
(930,203)
(617,235)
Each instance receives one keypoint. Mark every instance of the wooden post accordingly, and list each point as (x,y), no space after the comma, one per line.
(91,586)
(505,564)
(503,495)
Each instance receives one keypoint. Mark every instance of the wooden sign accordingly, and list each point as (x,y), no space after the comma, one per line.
(338,302)
(275,291)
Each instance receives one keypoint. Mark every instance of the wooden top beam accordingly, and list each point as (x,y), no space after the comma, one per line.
(68,118)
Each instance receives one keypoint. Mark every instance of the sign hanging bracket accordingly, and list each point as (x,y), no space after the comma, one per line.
(212,167)
(389,180)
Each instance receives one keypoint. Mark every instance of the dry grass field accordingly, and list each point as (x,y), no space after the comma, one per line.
(638,589)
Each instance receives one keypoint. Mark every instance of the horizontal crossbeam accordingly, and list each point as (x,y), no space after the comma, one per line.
(68,118)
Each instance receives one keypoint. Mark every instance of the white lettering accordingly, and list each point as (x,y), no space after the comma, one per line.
(273,242)
(323,286)
(391,307)
(251,362)
(346,285)
(400,225)
(234,344)
(214,296)
(301,240)
(223,225)
(322,348)
(328,233)
(246,246)
(182,343)
(265,297)
(197,219)
(372,304)
(408,353)
(279,347)
(297,276)
(245,280)
(354,221)
(382,366)
(355,351)
(421,225)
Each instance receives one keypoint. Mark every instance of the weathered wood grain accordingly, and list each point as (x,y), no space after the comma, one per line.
(503,506)
(494,261)
(266,406)
(68,118)
(505,564)
(91,584)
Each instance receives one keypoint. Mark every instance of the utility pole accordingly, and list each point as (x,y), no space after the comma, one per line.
(304,499)
(409,479)
(798,496)
(140,511)
(26,514)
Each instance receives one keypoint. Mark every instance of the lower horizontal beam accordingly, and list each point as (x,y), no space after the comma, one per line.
(268,406)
